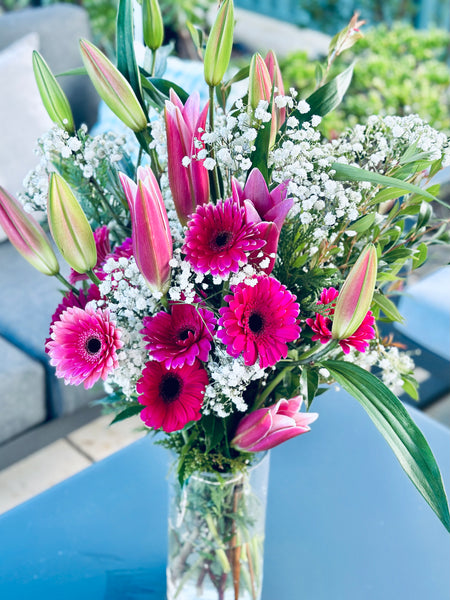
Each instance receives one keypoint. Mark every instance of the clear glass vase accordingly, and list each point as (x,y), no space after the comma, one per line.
(216,535)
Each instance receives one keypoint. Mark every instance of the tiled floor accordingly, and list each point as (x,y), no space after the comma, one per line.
(63,458)
(87,444)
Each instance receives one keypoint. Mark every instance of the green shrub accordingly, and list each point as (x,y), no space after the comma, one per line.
(398,71)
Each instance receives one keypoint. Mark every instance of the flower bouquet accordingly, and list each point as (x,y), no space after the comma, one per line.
(227,264)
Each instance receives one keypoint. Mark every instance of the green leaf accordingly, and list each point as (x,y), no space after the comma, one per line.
(399,430)
(420,255)
(387,194)
(410,388)
(260,155)
(214,431)
(76,71)
(239,76)
(326,98)
(130,411)
(425,213)
(310,381)
(126,59)
(363,223)
(330,95)
(388,307)
(350,173)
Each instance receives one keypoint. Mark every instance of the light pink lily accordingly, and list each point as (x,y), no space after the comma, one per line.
(190,184)
(355,297)
(152,241)
(26,235)
(267,208)
(268,427)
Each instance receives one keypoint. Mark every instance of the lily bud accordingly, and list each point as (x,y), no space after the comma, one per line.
(260,87)
(26,235)
(220,44)
(70,227)
(259,81)
(356,295)
(112,87)
(268,427)
(152,24)
(189,184)
(277,81)
(152,240)
(52,95)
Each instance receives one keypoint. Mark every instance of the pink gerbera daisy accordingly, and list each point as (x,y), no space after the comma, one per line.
(172,397)
(322,325)
(101,237)
(218,239)
(180,337)
(83,345)
(259,321)
(72,299)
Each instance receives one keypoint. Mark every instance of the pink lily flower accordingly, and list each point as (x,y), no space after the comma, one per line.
(268,427)
(26,235)
(151,237)
(189,185)
(267,208)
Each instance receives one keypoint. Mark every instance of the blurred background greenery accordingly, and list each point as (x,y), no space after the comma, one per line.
(417,81)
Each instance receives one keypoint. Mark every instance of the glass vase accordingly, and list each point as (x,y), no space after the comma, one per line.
(216,535)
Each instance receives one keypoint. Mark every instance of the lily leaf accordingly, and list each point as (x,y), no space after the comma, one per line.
(126,59)
(398,429)
(388,307)
(351,173)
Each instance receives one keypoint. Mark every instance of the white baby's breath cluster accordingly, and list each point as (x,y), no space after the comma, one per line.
(393,363)
(228,379)
(84,155)
(128,299)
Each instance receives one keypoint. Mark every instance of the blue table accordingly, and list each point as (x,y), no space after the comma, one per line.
(344,523)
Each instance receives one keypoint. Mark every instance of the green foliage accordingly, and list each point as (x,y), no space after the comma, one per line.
(417,81)
(399,430)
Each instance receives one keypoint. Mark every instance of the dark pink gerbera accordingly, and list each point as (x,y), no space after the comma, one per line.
(322,324)
(180,337)
(101,237)
(219,240)
(172,397)
(259,321)
(124,250)
(83,345)
(72,299)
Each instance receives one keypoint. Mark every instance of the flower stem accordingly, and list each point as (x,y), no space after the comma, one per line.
(215,176)
(272,385)
(64,281)
(93,277)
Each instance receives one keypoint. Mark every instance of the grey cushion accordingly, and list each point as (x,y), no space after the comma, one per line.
(60,26)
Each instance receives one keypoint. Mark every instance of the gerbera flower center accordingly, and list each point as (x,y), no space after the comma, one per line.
(93,345)
(255,323)
(170,387)
(184,334)
(222,239)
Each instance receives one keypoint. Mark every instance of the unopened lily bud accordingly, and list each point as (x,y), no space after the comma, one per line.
(220,44)
(153,26)
(277,81)
(356,295)
(70,227)
(259,82)
(53,98)
(26,235)
(112,87)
